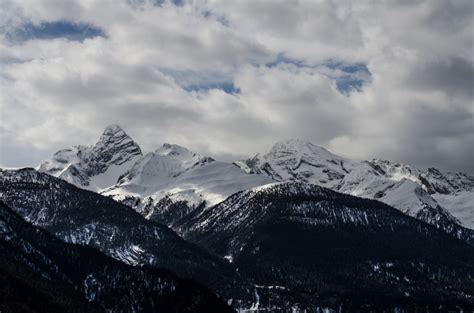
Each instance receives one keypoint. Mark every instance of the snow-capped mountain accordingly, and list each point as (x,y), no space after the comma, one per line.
(173,175)
(297,160)
(312,241)
(98,166)
(170,182)
(163,185)
(262,230)
(40,273)
(430,195)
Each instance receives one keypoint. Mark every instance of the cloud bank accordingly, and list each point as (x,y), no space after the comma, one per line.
(385,79)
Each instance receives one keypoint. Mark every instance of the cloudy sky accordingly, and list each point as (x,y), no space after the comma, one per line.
(385,79)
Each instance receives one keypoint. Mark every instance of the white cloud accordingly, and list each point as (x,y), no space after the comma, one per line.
(417,106)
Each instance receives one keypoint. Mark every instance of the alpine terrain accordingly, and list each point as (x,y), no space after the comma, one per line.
(297,228)
(170,182)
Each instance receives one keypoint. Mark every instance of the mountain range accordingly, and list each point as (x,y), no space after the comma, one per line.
(168,183)
(297,228)
(280,246)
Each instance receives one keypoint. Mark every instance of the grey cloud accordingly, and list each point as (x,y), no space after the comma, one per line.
(450,16)
(21,155)
(447,133)
(455,76)
(415,106)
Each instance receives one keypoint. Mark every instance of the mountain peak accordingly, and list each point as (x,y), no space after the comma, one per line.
(115,146)
(174,150)
(299,160)
(87,166)
(293,142)
(113,130)
(297,146)
(182,154)
(115,138)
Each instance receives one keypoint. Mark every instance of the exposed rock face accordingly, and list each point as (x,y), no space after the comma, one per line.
(97,166)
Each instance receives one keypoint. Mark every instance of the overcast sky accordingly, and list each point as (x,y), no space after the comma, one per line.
(385,79)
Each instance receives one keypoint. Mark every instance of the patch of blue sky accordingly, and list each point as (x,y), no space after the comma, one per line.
(348,76)
(348,67)
(227,87)
(282,59)
(52,30)
(346,84)
(202,81)
(175,2)
(137,4)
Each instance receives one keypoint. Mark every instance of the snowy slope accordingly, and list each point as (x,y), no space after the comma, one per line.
(460,204)
(98,166)
(176,174)
(449,196)
(394,185)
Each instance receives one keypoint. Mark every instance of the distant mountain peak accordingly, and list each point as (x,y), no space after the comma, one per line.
(112,129)
(115,141)
(114,134)
(298,148)
(175,150)
(80,164)
(295,143)
(299,160)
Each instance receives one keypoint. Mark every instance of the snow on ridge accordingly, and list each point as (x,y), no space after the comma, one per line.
(172,168)
(267,186)
(401,186)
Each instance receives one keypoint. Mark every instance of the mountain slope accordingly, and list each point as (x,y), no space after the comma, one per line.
(412,191)
(169,183)
(83,217)
(401,187)
(332,249)
(42,274)
(98,166)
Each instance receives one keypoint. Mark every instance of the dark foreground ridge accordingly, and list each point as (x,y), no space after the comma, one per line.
(40,273)
(335,250)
